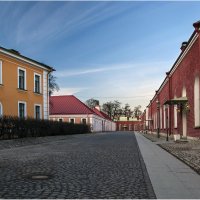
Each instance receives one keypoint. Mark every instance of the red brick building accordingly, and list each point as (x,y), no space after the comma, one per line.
(175,108)
(128,124)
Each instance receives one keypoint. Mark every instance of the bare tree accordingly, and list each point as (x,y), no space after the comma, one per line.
(137,111)
(113,109)
(92,103)
(53,86)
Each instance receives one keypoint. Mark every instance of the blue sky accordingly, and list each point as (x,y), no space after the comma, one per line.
(103,50)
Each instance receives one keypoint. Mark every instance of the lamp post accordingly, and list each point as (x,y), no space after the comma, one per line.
(158,118)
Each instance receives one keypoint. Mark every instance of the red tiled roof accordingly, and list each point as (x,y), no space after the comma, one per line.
(106,116)
(101,114)
(68,104)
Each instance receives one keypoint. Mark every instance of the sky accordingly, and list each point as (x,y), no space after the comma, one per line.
(103,50)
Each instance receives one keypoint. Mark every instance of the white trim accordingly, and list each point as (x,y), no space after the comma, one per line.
(164,113)
(40,110)
(84,118)
(196,102)
(23,69)
(36,74)
(73,119)
(1,81)
(45,95)
(61,119)
(1,109)
(25,60)
(179,61)
(185,52)
(160,117)
(73,115)
(25,108)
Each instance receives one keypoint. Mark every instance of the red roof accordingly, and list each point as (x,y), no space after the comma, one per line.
(69,104)
(101,114)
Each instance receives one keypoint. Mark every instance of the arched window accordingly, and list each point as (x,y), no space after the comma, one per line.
(161,117)
(196,102)
(164,120)
(184,92)
(175,114)
(1,109)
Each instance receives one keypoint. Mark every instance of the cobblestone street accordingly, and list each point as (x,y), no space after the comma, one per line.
(104,165)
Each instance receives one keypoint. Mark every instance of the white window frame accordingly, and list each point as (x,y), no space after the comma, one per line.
(175,116)
(36,74)
(73,119)
(25,108)
(40,110)
(161,117)
(85,119)
(164,113)
(196,102)
(1,110)
(20,68)
(1,80)
(60,118)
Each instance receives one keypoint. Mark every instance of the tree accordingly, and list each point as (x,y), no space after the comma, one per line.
(113,109)
(137,111)
(92,103)
(127,112)
(53,86)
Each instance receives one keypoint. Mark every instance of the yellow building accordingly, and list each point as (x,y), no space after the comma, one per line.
(23,86)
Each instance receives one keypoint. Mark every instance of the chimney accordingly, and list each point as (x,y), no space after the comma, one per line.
(98,107)
(196,26)
(183,46)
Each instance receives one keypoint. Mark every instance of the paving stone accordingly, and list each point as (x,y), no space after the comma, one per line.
(105,165)
(189,152)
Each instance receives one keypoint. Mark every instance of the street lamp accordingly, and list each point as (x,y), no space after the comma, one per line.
(158,118)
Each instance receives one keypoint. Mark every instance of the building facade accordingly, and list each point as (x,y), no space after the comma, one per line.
(70,109)
(128,124)
(175,108)
(23,86)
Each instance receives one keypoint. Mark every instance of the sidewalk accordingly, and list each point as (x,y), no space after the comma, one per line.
(170,177)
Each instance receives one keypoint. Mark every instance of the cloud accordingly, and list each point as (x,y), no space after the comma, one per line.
(68,91)
(95,69)
(45,21)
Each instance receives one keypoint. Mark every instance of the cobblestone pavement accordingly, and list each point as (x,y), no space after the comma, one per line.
(188,152)
(105,165)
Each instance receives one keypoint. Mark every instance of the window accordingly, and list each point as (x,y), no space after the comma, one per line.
(196,102)
(37,83)
(72,120)
(120,127)
(84,121)
(38,112)
(21,109)
(1,109)
(175,114)
(1,72)
(60,120)
(160,117)
(21,79)
(164,112)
